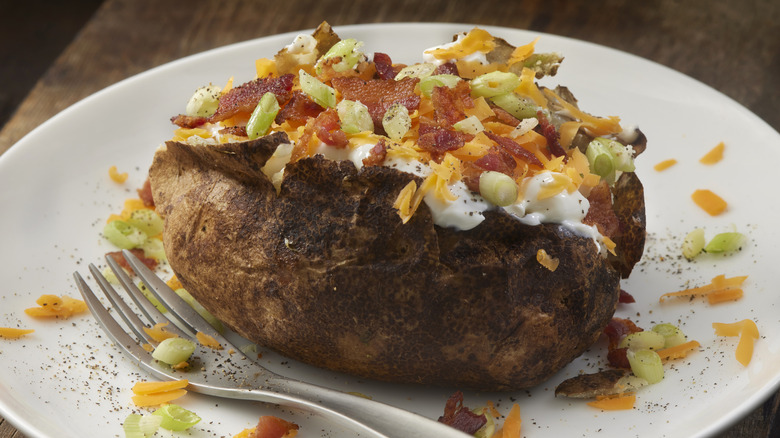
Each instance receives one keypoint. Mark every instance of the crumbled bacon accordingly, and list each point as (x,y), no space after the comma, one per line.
(450,104)
(328,129)
(378,95)
(437,139)
(298,109)
(551,134)
(377,154)
(448,68)
(503,116)
(145,193)
(600,212)
(384,66)
(460,417)
(139,253)
(625,297)
(617,328)
(234,130)
(269,426)
(244,98)
(618,358)
(497,160)
(515,149)
(189,122)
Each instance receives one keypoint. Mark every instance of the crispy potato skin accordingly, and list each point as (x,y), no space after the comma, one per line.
(326,273)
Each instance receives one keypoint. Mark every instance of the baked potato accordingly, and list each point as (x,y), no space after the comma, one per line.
(319,265)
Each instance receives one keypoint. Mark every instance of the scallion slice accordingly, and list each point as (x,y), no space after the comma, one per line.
(322,94)
(263,116)
(515,105)
(176,418)
(396,121)
(132,426)
(146,220)
(693,244)
(644,340)
(204,102)
(494,84)
(427,84)
(123,235)
(354,117)
(174,350)
(416,71)
(153,248)
(600,160)
(498,188)
(349,52)
(646,364)
(725,242)
(469,125)
(673,336)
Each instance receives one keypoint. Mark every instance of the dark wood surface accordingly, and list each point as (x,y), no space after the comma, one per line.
(69,52)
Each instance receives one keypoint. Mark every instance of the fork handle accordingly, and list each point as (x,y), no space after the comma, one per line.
(367,415)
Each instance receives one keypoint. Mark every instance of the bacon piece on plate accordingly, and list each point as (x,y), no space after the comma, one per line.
(244,97)
(378,95)
(139,253)
(270,426)
(145,193)
(460,417)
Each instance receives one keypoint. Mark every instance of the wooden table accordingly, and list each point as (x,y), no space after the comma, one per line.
(732,46)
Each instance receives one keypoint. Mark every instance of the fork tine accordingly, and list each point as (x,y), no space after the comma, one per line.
(172,301)
(127,314)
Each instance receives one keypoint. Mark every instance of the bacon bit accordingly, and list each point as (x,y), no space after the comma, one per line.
(207,340)
(117,177)
(625,297)
(678,351)
(515,149)
(189,122)
(618,358)
(714,155)
(600,212)
(298,110)
(14,333)
(448,108)
(719,284)
(328,129)
(244,98)
(548,131)
(461,418)
(377,154)
(437,140)
(379,94)
(384,66)
(709,202)
(448,68)
(546,260)
(139,253)
(617,328)
(614,402)
(663,165)
(747,332)
(270,426)
(239,131)
(145,194)
(60,307)
(504,117)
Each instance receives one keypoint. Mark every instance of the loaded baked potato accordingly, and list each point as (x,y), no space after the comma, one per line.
(343,248)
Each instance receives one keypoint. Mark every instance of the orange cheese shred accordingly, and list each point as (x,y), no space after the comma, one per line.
(13,333)
(265,67)
(145,388)
(511,426)
(208,341)
(477,40)
(54,306)
(747,332)
(719,284)
(158,332)
(521,53)
(678,351)
(546,260)
(158,398)
(116,176)
(663,165)
(709,202)
(714,155)
(614,403)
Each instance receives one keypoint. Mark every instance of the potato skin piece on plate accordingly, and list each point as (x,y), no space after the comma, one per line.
(325,272)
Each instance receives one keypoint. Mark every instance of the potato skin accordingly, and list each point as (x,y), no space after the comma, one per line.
(325,272)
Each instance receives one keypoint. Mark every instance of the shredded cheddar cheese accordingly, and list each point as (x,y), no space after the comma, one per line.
(546,260)
(714,155)
(117,177)
(14,333)
(157,393)
(54,306)
(521,53)
(663,165)
(614,402)
(158,332)
(747,332)
(208,341)
(477,40)
(709,202)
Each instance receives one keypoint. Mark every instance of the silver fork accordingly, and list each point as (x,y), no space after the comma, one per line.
(234,375)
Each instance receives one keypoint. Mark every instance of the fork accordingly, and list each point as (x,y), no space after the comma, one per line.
(234,375)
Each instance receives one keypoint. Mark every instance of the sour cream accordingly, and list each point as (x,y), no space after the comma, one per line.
(476,56)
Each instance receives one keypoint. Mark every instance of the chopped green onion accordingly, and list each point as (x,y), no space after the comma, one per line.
(600,160)
(348,51)
(515,105)
(396,121)
(469,125)
(322,94)
(109,275)
(151,298)
(644,340)
(176,418)
(123,235)
(211,319)
(354,117)
(498,188)
(263,116)
(416,71)
(174,350)
(673,336)
(204,102)
(725,242)
(693,244)
(146,220)
(153,249)
(132,426)
(429,83)
(494,83)
(646,364)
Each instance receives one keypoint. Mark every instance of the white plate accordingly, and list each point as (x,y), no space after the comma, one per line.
(66,379)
